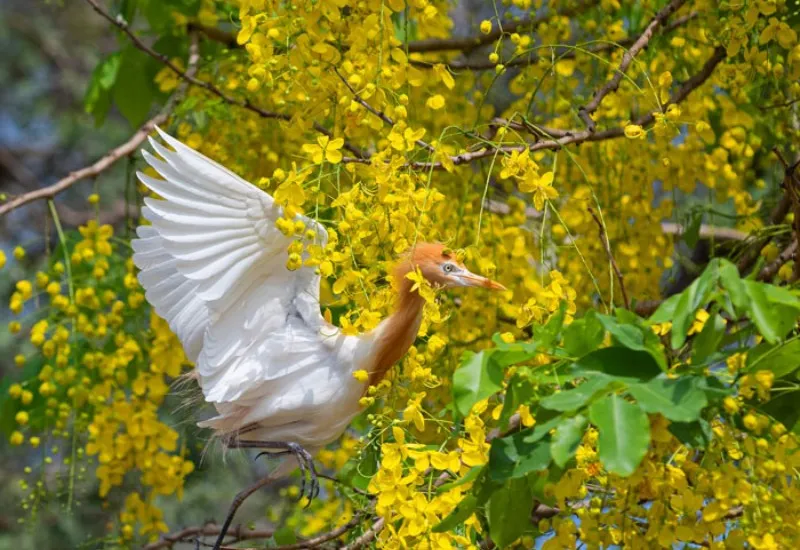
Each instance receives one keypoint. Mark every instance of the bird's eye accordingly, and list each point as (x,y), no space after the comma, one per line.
(448,268)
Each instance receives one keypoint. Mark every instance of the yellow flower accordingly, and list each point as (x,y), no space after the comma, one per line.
(699,322)
(361,375)
(486,26)
(16,438)
(2,259)
(19,252)
(326,148)
(634,131)
(541,187)
(94,198)
(21,418)
(435,102)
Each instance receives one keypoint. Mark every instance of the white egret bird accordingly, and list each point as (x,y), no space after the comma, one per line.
(213,265)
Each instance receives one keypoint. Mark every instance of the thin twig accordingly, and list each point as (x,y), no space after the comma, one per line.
(191,533)
(769,271)
(244,103)
(575,137)
(607,245)
(380,114)
(312,542)
(612,85)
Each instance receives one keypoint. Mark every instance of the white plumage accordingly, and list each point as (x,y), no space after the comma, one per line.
(213,266)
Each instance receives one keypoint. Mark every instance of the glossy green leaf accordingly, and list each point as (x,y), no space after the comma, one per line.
(519,391)
(583,335)
(458,515)
(133,89)
(696,435)
(97,99)
(567,438)
(666,310)
(624,433)
(469,477)
(632,336)
(781,359)
(679,399)
(477,378)
(509,512)
(570,400)
(707,342)
(691,299)
(622,363)
(513,456)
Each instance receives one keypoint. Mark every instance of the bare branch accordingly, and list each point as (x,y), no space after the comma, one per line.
(380,114)
(769,271)
(191,533)
(108,160)
(368,536)
(627,58)
(312,542)
(607,245)
(525,24)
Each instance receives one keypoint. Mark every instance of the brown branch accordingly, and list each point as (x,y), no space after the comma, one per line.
(469,43)
(244,103)
(191,534)
(607,245)
(578,136)
(627,58)
(769,271)
(706,232)
(312,542)
(368,536)
(532,58)
(380,114)
(110,158)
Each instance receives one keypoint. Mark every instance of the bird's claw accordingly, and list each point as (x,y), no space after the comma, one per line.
(307,470)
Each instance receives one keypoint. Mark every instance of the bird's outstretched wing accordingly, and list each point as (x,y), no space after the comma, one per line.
(213,266)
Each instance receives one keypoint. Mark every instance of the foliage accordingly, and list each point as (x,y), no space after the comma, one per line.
(551,411)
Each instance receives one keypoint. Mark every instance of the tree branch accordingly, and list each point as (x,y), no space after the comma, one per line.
(577,136)
(208,530)
(469,43)
(108,160)
(627,58)
(380,114)
(244,103)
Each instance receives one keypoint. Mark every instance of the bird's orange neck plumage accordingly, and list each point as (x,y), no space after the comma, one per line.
(397,333)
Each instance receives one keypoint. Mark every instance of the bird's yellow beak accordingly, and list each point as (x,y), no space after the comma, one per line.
(470,279)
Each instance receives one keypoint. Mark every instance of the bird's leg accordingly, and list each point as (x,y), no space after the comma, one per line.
(304,460)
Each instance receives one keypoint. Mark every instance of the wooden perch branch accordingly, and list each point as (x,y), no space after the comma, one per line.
(192,533)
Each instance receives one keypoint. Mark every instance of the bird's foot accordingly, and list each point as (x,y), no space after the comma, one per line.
(307,469)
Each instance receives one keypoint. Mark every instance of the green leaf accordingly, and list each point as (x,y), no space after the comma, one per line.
(624,434)
(690,300)
(133,90)
(470,476)
(692,232)
(707,342)
(570,400)
(97,99)
(514,456)
(459,515)
(285,535)
(625,364)
(782,359)
(583,335)
(696,435)
(665,311)
(519,391)
(477,378)
(567,438)
(680,399)
(635,337)
(509,512)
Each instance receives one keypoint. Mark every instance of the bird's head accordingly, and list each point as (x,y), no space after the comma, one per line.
(440,266)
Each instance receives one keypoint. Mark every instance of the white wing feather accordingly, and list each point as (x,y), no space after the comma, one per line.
(213,266)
